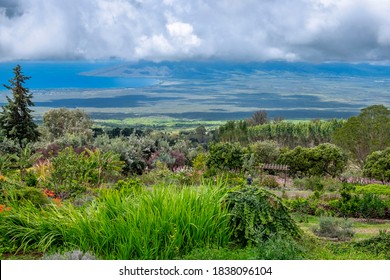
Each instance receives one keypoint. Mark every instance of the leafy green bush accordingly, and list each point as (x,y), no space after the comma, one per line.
(274,248)
(310,183)
(73,172)
(225,156)
(71,189)
(265,151)
(375,189)
(377,165)
(31,179)
(372,206)
(280,248)
(199,162)
(160,174)
(258,214)
(6,163)
(334,228)
(323,160)
(302,205)
(129,185)
(379,244)
(233,179)
(31,194)
(270,182)
(366,205)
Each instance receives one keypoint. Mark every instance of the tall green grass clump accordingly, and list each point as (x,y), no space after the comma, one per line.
(162,223)
(28,228)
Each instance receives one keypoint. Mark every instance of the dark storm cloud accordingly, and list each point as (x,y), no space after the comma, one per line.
(314,30)
(10,8)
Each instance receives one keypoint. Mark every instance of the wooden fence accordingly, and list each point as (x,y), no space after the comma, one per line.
(277,167)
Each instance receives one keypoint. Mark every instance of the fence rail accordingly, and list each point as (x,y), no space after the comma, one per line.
(279,167)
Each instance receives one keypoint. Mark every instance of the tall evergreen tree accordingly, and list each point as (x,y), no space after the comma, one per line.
(16,121)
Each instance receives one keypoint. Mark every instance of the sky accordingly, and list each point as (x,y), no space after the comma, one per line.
(244,30)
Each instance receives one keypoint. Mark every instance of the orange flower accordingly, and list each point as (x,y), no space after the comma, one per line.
(3,208)
(57,201)
(2,178)
(49,193)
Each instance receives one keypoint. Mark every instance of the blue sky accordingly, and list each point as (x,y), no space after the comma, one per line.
(248,30)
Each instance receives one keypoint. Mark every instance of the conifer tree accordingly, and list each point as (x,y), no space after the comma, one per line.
(16,121)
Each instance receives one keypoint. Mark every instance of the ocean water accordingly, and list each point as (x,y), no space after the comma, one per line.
(70,75)
(207,90)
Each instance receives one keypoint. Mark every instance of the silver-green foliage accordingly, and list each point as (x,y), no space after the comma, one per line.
(334,228)
(70,255)
(62,121)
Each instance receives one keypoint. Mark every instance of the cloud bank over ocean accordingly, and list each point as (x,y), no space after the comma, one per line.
(299,30)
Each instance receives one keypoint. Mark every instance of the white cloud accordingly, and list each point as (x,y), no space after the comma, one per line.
(351,30)
(182,34)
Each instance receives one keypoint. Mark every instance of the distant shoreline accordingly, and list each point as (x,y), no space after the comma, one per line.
(207,91)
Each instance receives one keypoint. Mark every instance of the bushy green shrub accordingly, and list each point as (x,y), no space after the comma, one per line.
(302,205)
(31,194)
(134,151)
(372,206)
(377,165)
(225,156)
(233,179)
(72,171)
(375,189)
(6,163)
(323,160)
(159,174)
(199,162)
(265,151)
(59,122)
(334,228)
(258,214)
(31,179)
(274,248)
(310,183)
(353,204)
(71,189)
(270,182)
(129,185)
(379,244)
(280,248)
